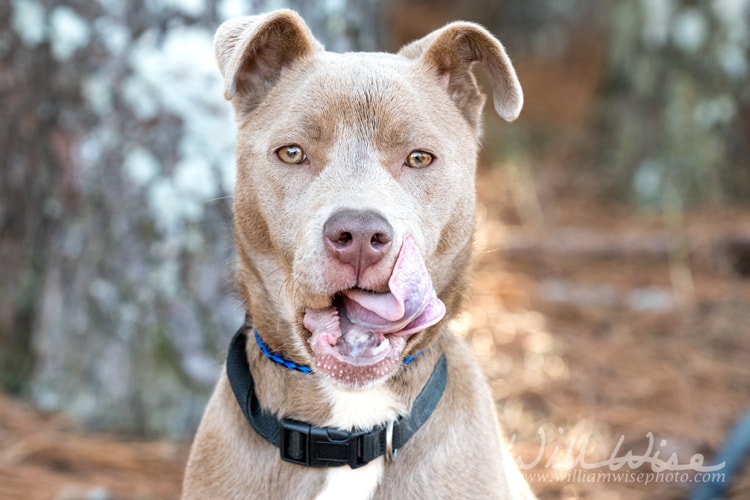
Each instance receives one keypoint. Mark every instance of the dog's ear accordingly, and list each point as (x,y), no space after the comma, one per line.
(252,51)
(451,52)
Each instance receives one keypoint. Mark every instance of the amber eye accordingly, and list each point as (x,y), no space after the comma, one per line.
(291,154)
(419,159)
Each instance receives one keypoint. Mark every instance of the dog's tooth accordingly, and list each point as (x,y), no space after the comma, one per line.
(384,345)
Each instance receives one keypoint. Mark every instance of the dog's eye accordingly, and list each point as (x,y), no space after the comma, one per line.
(291,154)
(419,159)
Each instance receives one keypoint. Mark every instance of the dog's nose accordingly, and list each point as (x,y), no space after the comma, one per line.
(359,238)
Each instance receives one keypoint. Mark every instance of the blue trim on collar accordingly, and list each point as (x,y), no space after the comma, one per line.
(280,359)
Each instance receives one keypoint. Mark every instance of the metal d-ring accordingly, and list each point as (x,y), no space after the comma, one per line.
(390,453)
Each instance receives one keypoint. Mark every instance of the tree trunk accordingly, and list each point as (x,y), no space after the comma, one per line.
(115,215)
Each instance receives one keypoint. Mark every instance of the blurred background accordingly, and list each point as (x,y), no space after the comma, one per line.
(612,282)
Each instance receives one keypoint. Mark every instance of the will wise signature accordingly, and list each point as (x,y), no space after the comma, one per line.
(615,462)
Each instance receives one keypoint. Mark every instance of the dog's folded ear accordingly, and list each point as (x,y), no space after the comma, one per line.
(452,50)
(253,50)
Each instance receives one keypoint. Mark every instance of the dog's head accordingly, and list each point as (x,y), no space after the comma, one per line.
(354,204)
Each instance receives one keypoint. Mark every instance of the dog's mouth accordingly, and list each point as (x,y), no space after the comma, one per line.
(361,336)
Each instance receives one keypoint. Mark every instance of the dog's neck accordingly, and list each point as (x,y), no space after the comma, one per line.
(313,398)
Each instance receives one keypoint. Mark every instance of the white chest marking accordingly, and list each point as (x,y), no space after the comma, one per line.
(360,409)
(344,483)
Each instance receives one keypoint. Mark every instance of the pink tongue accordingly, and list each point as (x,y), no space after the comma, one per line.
(410,306)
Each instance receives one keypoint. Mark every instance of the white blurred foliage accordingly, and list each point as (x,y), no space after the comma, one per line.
(648,181)
(179,75)
(115,36)
(188,7)
(28,21)
(689,27)
(735,18)
(656,21)
(68,32)
(231,8)
(141,166)
(689,30)
(716,111)
(97,90)
(733,61)
(65,29)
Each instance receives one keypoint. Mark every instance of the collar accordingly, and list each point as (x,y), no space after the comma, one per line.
(283,360)
(305,444)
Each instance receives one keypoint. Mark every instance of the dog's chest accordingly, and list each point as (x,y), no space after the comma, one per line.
(352,484)
(358,409)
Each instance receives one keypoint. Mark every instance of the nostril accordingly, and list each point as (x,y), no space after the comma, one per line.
(344,239)
(379,240)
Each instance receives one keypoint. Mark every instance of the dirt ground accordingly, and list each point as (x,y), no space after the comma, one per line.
(593,327)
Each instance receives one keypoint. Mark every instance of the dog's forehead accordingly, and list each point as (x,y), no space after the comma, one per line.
(385,97)
(363,67)
(356,78)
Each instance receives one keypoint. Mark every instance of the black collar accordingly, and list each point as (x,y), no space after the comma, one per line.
(305,444)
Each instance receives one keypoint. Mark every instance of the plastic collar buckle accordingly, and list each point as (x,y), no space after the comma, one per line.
(303,444)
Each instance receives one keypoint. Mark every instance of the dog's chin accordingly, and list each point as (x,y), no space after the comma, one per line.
(348,354)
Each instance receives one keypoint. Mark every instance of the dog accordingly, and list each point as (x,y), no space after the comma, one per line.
(353,215)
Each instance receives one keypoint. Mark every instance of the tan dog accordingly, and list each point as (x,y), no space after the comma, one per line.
(354,212)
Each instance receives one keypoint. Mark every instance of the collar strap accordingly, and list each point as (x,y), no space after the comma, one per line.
(305,444)
(283,360)
(278,357)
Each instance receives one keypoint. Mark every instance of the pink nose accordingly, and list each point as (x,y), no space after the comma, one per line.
(358,238)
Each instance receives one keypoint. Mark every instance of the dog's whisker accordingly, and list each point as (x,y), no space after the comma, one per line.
(228,197)
(278,269)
